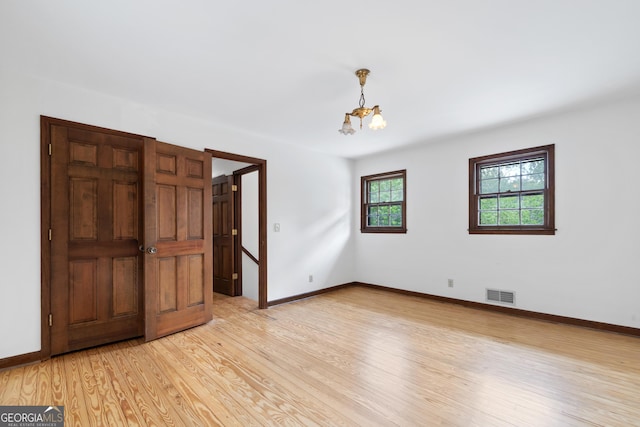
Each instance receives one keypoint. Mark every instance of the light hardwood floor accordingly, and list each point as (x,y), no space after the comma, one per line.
(356,356)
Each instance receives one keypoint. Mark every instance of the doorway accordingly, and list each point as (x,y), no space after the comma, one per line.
(126,237)
(249,167)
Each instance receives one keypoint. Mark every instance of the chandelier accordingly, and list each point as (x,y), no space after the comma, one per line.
(377,122)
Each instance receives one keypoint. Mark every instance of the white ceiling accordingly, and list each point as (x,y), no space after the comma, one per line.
(284,69)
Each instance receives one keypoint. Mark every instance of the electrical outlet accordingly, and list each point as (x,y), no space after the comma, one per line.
(310,278)
(450,283)
(276,227)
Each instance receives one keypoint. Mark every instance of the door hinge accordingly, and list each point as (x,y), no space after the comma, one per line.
(234,276)
(50,149)
(234,187)
(234,232)
(50,319)
(50,233)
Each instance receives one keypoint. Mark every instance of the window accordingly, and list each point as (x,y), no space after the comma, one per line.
(384,203)
(512,193)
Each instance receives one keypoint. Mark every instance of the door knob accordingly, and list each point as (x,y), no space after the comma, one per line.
(141,248)
(152,250)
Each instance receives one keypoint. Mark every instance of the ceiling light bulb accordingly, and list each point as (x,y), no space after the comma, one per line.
(346,126)
(377,122)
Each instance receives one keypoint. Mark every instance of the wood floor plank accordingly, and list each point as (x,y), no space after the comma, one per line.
(188,380)
(4,380)
(77,411)
(160,385)
(367,368)
(106,389)
(293,403)
(13,387)
(117,377)
(147,394)
(353,357)
(35,385)
(58,382)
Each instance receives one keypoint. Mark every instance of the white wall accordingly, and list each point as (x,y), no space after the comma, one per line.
(308,198)
(588,270)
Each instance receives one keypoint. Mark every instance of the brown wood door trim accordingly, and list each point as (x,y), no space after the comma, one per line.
(261,166)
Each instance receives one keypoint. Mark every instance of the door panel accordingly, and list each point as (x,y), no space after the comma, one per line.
(178,239)
(96,271)
(223,239)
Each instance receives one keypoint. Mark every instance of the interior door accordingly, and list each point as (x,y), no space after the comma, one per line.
(223,237)
(178,239)
(96,268)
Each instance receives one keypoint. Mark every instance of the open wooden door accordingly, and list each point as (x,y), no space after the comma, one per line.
(95,229)
(178,238)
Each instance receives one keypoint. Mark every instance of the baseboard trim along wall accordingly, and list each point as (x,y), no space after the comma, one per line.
(627,330)
(311,294)
(23,359)
(19,360)
(609,327)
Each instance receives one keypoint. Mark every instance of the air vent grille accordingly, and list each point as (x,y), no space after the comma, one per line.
(507,297)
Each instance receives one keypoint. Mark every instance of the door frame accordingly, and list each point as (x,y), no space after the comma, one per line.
(237,212)
(261,165)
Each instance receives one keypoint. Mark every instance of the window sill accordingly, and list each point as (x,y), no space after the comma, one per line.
(394,230)
(530,231)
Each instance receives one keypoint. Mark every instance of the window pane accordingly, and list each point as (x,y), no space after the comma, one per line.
(383,220)
(509,217)
(489,218)
(533,182)
(488,172)
(489,186)
(396,184)
(533,166)
(488,203)
(372,216)
(510,184)
(374,197)
(374,186)
(512,169)
(385,196)
(383,210)
(533,201)
(396,216)
(396,196)
(385,185)
(509,202)
(532,217)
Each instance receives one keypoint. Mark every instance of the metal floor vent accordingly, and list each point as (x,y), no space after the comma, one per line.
(507,297)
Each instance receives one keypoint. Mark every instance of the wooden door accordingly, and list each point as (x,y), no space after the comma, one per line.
(96,268)
(178,239)
(223,237)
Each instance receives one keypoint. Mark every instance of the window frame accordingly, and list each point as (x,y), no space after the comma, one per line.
(547,152)
(364,204)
